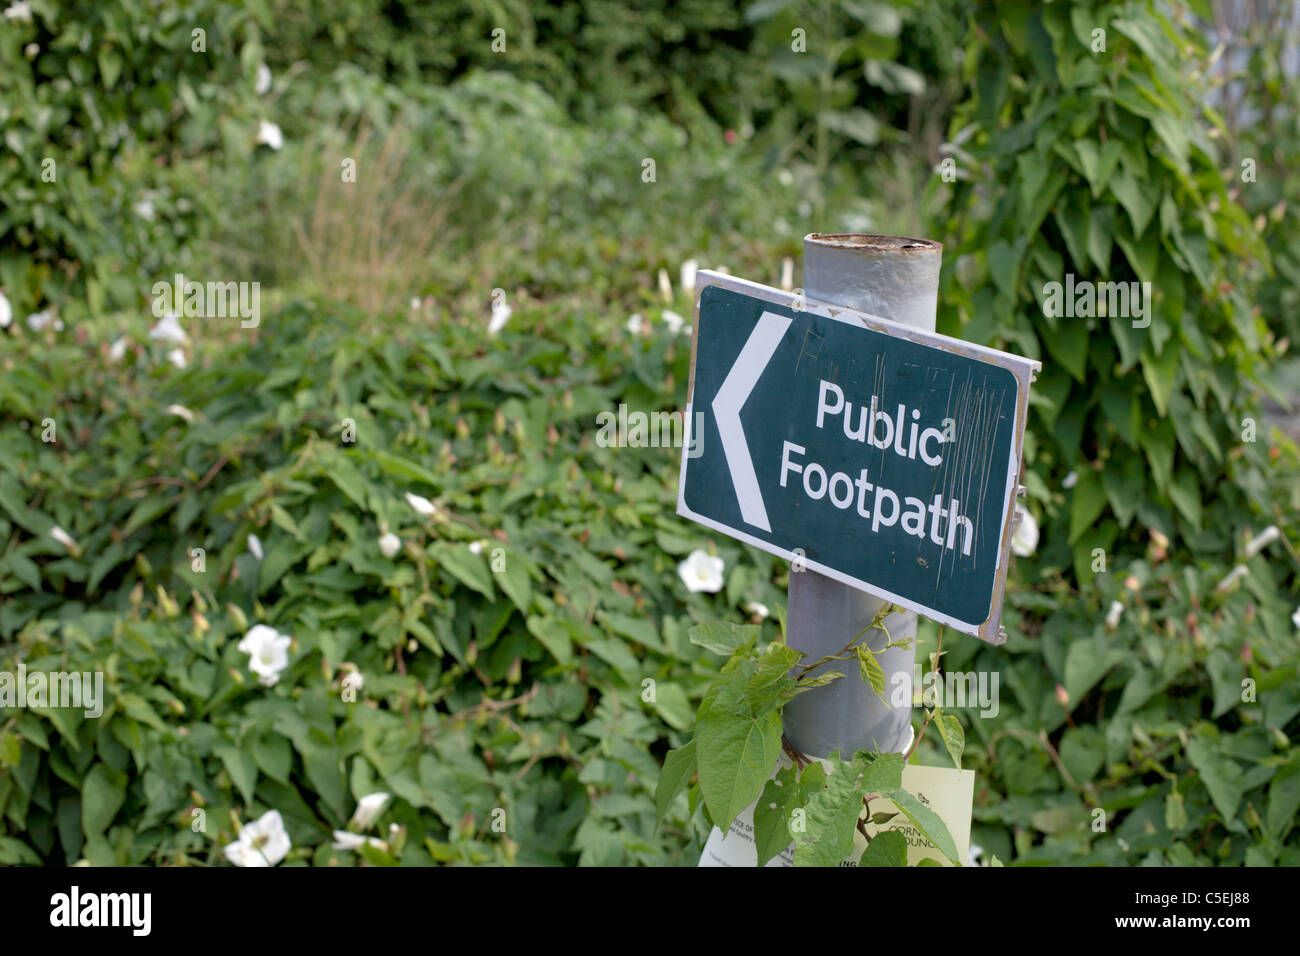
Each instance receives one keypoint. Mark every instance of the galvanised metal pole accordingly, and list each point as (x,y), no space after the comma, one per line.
(895,278)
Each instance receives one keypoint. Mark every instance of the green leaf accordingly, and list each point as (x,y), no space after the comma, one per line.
(831,817)
(679,767)
(515,582)
(954,737)
(1186,496)
(880,772)
(773,669)
(1087,502)
(24,569)
(1136,198)
(554,635)
(102,795)
(1083,751)
(322,767)
(16,853)
(273,755)
(1161,374)
(1225,679)
(241,767)
(780,797)
(857,124)
(888,848)
(1283,799)
(11,749)
(1069,346)
(870,671)
(927,821)
(1221,776)
(401,468)
(736,747)
(468,568)
(723,637)
(348,480)
(672,704)
(110,66)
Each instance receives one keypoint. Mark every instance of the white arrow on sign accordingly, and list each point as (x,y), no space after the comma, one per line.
(731,398)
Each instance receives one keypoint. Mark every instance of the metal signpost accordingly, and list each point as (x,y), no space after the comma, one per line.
(881,459)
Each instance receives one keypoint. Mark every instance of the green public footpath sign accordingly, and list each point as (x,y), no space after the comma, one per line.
(881,456)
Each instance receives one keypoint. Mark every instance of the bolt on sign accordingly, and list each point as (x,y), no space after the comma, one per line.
(879,455)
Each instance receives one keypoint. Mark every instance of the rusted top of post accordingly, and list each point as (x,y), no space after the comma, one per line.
(876,244)
(895,277)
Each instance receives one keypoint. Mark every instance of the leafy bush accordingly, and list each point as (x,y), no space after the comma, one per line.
(110,115)
(1150,714)
(513,192)
(589,56)
(1097,164)
(522,690)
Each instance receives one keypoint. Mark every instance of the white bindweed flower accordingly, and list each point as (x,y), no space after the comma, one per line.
(264,842)
(1295,618)
(500,316)
(177,358)
(674,321)
(368,810)
(1262,541)
(389,544)
(1070,480)
(46,318)
(343,840)
(689,269)
(168,329)
(144,209)
(757,610)
(1113,615)
(65,539)
(353,678)
(1024,539)
(476,547)
(20,12)
(255,546)
(269,134)
(117,351)
(701,572)
(268,653)
(6,312)
(422,506)
(635,323)
(263,80)
(665,285)
(974,854)
(1231,578)
(415,303)
(180,411)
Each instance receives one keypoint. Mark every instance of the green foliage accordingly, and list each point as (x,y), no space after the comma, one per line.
(1099,165)
(1263,133)
(848,76)
(588,55)
(512,677)
(110,117)
(1156,741)
(737,744)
